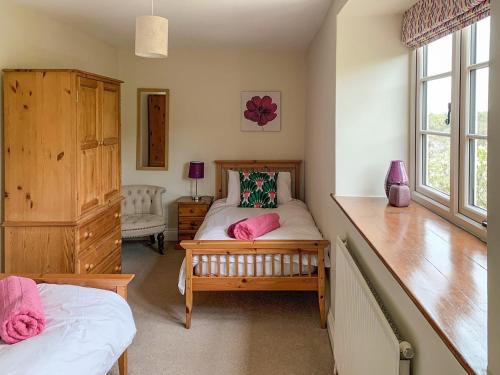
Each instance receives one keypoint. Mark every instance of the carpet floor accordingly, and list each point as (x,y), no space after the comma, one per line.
(269,333)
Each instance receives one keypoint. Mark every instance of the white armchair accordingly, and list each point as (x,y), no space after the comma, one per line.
(142,213)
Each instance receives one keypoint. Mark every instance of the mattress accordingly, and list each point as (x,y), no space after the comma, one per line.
(86,331)
(296,223)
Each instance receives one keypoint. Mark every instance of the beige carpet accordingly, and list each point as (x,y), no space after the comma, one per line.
(232,333)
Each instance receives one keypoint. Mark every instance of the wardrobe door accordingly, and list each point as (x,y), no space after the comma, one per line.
(89,133)
(110,173)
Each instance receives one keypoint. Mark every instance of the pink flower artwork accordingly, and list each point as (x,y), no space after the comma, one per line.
(260,111)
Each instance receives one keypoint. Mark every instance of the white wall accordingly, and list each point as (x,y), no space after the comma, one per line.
(432,355)
(205,88)
(31,40)
(372,99)
(494,197)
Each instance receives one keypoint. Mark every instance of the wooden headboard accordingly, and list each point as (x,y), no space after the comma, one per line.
(223,166)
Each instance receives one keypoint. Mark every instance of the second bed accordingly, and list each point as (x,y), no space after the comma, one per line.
(289,258)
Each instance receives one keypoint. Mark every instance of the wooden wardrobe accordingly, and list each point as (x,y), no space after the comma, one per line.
(61,172)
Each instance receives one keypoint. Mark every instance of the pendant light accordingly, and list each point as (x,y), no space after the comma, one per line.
(151,35)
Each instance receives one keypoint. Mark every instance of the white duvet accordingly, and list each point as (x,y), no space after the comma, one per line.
(86,331)
(296,223)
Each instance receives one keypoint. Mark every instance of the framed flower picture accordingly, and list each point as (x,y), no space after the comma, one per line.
(260,111)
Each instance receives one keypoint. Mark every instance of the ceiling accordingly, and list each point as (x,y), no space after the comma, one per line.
(370,8)
(284,24)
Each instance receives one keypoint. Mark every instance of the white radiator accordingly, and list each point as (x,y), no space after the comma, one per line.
(363,340)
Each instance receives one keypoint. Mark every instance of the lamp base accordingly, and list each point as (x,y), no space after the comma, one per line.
(196,198)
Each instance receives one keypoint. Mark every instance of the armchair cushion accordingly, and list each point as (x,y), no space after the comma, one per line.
(142,211)
(141,225)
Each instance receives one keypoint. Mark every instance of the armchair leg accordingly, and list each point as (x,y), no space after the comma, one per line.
(161,239)
(152,239)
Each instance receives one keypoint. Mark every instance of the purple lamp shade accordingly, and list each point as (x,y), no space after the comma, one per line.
(196,169)
(396,175)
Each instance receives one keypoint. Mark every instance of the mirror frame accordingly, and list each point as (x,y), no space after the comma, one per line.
(139,165)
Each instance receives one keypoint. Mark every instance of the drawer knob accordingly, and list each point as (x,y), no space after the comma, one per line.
(191,210)
(91,267)
(117,242)
(117,268)
(86,235)
(87,267)
(91,234)
(117,214)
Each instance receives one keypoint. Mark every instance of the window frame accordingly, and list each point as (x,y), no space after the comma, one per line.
(455,207)
(475,213)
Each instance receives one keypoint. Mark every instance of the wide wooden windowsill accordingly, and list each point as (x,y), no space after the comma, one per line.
(441,267)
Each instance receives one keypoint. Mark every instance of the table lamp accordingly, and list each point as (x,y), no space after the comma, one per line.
(196,171)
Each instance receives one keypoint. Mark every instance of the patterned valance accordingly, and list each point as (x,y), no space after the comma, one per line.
(429,20)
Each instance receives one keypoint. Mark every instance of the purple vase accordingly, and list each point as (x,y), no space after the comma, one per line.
(399,195)
(396,175)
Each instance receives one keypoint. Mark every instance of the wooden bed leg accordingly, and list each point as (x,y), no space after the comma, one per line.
(122,363)
(321,288)
(189,287)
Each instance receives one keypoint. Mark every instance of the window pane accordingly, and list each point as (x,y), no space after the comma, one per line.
(436,162)
(439,55)
(481,39)
(478,151)
(437,102)
(478,123)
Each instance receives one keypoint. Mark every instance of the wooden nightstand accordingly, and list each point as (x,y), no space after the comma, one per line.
(190,216)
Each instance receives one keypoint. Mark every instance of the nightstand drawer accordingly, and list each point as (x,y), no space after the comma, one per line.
(192,210)
(190,223)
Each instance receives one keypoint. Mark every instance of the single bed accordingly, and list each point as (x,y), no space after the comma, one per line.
(89,326)
(289,258)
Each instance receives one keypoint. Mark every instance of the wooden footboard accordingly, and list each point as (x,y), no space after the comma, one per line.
(112,282)
(219,278)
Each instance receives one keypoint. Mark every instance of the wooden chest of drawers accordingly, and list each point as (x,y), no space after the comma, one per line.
(94,246)
(191,215)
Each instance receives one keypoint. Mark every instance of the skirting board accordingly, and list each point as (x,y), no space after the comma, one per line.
(171,234)
(330,325)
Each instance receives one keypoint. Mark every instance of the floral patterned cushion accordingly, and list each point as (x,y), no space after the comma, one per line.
(259,189)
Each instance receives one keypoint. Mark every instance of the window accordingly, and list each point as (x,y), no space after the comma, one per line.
(451,117)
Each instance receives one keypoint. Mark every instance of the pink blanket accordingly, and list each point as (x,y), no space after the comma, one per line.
(21,310)
(256,226)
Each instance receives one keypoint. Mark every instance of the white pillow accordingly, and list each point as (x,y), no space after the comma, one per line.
(233,188)
(284,187)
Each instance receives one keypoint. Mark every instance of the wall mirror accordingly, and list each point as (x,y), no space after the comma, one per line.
(152,129)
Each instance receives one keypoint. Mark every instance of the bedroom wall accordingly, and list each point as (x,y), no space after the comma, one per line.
(494,197)
(29,39)
(372,99)
(320,165)
(205,86)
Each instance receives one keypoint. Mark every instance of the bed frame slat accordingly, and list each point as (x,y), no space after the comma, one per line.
(300,263)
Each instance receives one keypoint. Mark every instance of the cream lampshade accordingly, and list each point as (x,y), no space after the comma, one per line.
(151,36)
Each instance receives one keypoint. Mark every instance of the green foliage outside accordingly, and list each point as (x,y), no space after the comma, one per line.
(438,158)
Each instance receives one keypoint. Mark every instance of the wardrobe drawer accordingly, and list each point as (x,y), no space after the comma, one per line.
(193,210)
(112,264)
(91,260)
(190,223)
(99,227)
